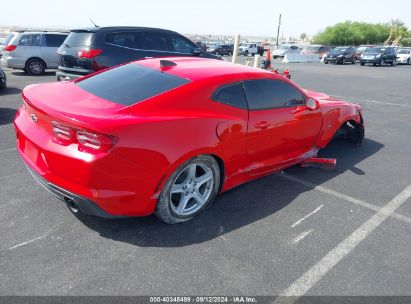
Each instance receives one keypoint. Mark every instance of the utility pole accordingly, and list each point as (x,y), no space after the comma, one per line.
(278,31)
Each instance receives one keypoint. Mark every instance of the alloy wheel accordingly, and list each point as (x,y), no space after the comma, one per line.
(191,189)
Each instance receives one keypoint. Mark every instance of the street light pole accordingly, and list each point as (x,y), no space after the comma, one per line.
(278,30)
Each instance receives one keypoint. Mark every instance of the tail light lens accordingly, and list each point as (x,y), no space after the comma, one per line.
(89,53)
(63,133)
(10,48)
(94,141)
(87,141)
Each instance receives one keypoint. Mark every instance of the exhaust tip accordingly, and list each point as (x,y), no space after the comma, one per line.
(72,205)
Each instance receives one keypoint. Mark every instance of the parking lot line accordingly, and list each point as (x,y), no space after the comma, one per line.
(305,282)
(342,196)
(307,216)
(302,235)
(374,101)
(27,242)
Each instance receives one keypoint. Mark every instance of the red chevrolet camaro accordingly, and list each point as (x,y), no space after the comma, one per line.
(165,136)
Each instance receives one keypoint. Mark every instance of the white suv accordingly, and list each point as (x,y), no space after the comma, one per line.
(33,52)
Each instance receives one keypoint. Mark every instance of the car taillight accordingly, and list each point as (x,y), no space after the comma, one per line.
(94,141)
(63,133)
(89,53)
(10,48)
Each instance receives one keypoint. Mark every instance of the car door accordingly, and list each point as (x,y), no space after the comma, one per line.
(49,45)
(28,47)
(280,128)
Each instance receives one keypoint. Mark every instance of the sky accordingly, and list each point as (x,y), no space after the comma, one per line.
(258,18)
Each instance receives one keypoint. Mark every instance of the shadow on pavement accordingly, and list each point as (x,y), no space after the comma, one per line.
(234,209)
(24,74)
(7,115)
(9,91)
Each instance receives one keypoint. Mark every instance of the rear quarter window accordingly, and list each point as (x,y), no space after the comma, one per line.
(130,84)
(54,40)
(232,95)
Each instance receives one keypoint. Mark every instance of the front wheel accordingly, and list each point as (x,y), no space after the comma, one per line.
(246,53)
(343,61)
(189,190)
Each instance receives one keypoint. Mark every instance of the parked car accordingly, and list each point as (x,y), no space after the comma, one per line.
(166,135)
(224,49)
(33,52)
(404,56)
(316,49)
(250,49)
(3,79)
(379,55)
(360,50)
(5,42)
(341,55)
(286,49)
(86,51)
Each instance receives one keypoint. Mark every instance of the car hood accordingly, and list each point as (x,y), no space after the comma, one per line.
(66,100)
(372,54)
(325,99)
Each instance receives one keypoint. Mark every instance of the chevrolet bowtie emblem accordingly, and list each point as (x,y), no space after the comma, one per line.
(34,118)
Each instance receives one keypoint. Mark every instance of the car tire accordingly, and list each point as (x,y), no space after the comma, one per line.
(189,198)
(35,66)
(246,53)
(343,61)
(326,62)
(409,61)
(362,63)
(353,60)
(394,62)
(382,62)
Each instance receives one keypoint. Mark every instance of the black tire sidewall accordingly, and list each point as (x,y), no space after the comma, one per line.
(28,67)
(164,210)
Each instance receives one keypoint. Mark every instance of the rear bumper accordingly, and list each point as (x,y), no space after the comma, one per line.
(71,74)
(107,185)
(86,206)
(11,62)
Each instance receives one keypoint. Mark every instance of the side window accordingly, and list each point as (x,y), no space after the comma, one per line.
(30,40)
(155,41)
(126,39)
(232,95)
(54,40)
(181,45)
(269,93)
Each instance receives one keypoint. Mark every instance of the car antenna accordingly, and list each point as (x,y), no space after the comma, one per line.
(93,22)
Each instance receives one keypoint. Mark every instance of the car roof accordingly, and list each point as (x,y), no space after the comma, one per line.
(195,68)
(41,32)
(117,28)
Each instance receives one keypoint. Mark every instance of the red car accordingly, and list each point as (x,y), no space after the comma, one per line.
(165,136)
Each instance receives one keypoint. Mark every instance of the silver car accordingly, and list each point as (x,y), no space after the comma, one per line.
(33,52)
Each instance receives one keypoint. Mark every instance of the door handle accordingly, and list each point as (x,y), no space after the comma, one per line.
(262,125)
(298,109)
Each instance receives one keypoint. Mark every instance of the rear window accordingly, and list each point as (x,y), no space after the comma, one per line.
(77,39)
(130,84)
(8,39)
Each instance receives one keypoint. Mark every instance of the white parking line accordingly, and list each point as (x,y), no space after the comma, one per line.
(8,150)
(24,243)
(302,235)
(307,216)
(374,101)
(342,196)
(320,269)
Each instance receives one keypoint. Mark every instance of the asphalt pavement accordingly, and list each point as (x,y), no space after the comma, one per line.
(303,231)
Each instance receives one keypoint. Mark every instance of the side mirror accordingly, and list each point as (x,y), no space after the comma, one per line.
(312,104)
(197,51)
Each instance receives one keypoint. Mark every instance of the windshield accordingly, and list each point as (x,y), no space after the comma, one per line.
(339,50)
(361,48)
(371,50)
(131,83)
(404,51)
(285,47)
(313,48)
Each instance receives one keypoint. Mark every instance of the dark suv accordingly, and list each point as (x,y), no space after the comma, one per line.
(379,55)
(225,49)
(92,49)
(341,55)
